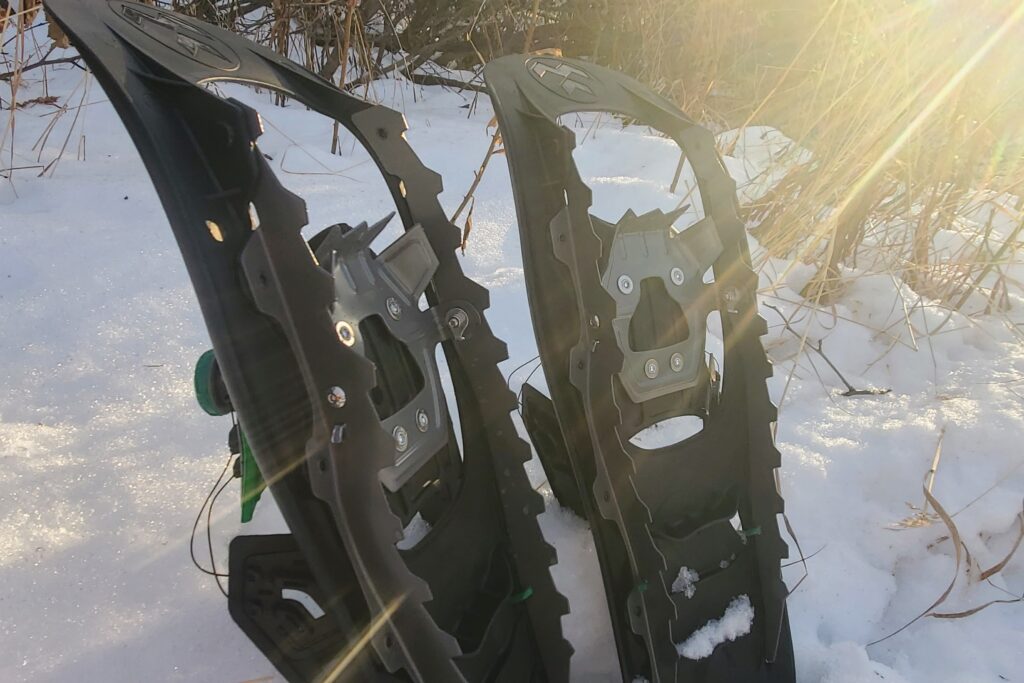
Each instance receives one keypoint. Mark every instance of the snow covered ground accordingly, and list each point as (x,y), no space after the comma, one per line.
(105,459)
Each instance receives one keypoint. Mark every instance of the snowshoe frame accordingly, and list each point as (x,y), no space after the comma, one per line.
(481,577)
(615,366)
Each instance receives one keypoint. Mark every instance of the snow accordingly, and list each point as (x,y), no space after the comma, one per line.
(686,582)
(736,622)
(414,532)
(105,459)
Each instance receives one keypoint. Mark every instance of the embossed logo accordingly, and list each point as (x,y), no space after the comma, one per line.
(179,34)
(563,79)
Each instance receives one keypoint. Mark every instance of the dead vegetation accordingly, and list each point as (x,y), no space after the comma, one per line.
(911,112)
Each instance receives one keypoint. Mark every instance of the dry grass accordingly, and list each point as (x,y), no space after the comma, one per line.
(913,111)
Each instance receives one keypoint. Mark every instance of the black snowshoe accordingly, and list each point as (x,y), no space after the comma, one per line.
(620,312)
(328,362)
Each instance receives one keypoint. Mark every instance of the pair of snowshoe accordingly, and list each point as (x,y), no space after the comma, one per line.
(325,351)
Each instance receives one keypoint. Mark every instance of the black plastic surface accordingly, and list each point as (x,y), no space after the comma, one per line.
(447,609)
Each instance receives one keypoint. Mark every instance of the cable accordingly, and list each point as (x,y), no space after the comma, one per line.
(211,498)
(199,516)
(209,538)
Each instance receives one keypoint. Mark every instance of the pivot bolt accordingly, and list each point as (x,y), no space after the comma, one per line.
(457,320)
(422,421)
(625,284)
(345,333)
(401,439)
(394,308)
(676,361)
(336,397)
(677,276)
(651,368)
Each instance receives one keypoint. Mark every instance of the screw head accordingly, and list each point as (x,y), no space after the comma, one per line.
(676,274)
(336,397)
(676,361)
(422,421)
(345,333)
(625,284)
(401,439)
(651,368)
(394,308)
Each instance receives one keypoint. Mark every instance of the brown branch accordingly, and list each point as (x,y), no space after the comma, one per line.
(45,62)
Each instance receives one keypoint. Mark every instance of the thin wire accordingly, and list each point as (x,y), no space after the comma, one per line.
(508,380)
(519,396)
(209,538)
(199,516)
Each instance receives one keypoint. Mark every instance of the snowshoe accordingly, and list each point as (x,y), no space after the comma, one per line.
(328,362)
(686,533)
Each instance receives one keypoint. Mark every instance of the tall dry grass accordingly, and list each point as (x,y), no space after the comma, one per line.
(913,112)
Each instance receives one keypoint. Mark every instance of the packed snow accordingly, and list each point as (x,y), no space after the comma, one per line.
(686,582)
(106,459)
(736,622)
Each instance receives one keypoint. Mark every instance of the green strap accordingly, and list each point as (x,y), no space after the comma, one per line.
(252,481)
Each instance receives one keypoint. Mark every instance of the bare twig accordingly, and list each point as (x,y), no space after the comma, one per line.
(819,349)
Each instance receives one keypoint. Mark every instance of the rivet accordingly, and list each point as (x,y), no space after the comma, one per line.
(394,308)
(401,439)
(336,397)
(422,421)
(651,368)
(676,361)
(677,276)
(625,284)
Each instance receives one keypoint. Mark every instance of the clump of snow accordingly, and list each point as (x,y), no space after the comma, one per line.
(736,622)
(413,532)
(686,582)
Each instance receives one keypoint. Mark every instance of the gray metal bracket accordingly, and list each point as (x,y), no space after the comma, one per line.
(389,286)
(646,247)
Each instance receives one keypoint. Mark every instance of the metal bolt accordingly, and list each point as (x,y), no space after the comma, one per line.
(595,321)
(676,361)
(731,296)
(394,308)
(677,276)
(336,397)
(345,333)
(458,321)
(338,434)
(401,439)
(422,421)
(625,284)
(651,368)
